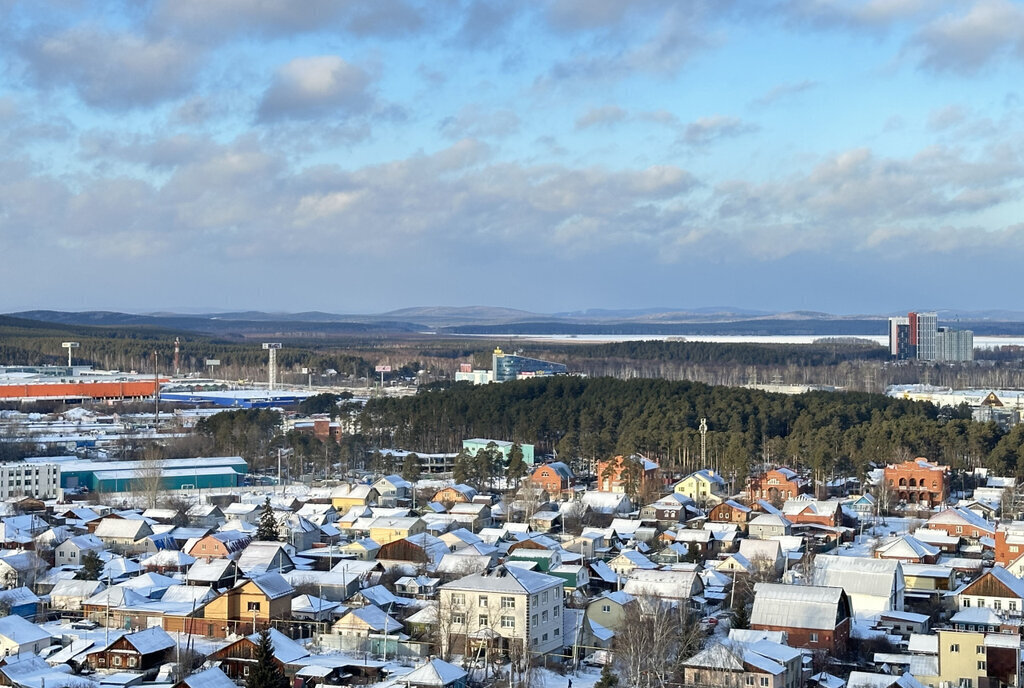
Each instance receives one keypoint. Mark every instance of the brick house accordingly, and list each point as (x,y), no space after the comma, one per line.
(918,482)
(778,485)
(813,617)
(220,545)
(554,478)
(962,523)
(731,511)
(612,474)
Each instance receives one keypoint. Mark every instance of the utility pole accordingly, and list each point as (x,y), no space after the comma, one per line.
(156,391)
(703,442)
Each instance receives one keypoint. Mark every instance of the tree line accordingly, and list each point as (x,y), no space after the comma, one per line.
(586,419)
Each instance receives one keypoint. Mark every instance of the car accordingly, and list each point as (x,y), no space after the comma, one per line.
(85,625)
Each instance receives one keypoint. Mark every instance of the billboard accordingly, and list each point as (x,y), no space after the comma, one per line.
(383,369)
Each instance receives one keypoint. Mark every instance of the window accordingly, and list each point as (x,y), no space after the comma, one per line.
(482,621)
(954,648)
(981,601)
(481,601)
(967,603)
(534,641)
(533,619)
(764,681)
(696,677)
(508,622)
(245,670)
(544,597)
(458,619)
(814,637)
(749,680)
(997,604)
(117,660)
(131,661)
(1014,548)
(544,616)
(545,638)
(508,602)
(959,529)
(980,649)
(606,608)
(1013,605)
(534,600)
(253,607)
(458,598)
(557,611)
(556,631)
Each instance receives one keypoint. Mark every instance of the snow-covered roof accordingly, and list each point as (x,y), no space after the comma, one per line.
(506,579)
(150,640)
(19,631)
(858,575)
(796,606)
(285,649)
(435,672)
(213,677)
(273,585)
(907,547)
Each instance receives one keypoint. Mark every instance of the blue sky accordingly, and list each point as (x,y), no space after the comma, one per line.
(848,156)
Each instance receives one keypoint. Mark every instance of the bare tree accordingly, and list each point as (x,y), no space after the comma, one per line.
(653,640)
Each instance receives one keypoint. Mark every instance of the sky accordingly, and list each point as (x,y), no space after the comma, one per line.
(357,156)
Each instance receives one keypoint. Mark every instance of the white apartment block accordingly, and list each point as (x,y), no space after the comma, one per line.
(40,480)
(506,606)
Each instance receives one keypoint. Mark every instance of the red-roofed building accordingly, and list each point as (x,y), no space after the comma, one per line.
(634,472)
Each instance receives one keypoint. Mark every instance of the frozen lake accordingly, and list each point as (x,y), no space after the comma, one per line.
(980,342)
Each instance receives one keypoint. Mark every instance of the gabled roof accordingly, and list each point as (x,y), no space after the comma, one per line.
(286,650)
(907,547)
(150,640)
(273,585)
(1014,585)
(209,678)
(858,575)
(506,579)
(19,631)
(962,517)
(798,606)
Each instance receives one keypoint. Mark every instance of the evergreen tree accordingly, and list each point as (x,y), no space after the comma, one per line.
(411,467)
(266,673)
(516,466)
(608,679)
(92,567)
(267,529)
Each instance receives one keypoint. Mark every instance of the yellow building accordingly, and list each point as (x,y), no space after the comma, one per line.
(384,530)
(703,487)
(344,497)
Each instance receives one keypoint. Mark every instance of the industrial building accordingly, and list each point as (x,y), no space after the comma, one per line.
(127,476)
(239,398)
(919,337)
(100,387)
(506,367)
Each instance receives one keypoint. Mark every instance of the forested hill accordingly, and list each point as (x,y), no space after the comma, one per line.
(598,417)
(819,353)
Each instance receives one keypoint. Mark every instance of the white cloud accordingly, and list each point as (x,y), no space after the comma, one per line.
(965,42)
(111,70)
(324,85)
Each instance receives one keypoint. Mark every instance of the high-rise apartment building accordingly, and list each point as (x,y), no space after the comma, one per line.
(918,336)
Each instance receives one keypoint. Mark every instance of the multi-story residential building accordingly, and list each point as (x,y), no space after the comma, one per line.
(39,480)
(506,606)
(778,485)
(919,481)
(705,487)
(553,478)
(622,472)
(918,336)
(514,366)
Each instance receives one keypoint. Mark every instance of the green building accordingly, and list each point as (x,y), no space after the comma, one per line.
(176,474)
(474,445)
